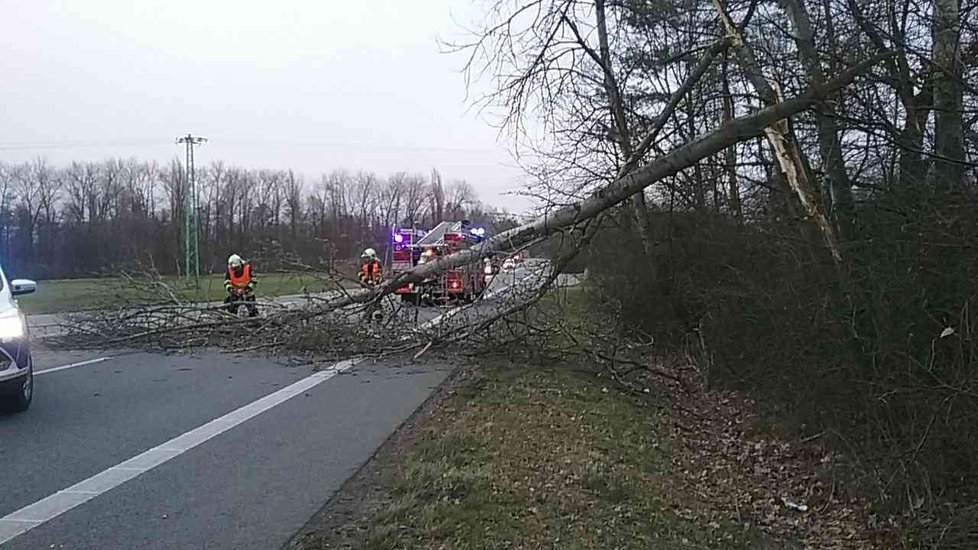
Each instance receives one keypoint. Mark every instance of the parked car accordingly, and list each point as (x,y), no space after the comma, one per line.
(16,362)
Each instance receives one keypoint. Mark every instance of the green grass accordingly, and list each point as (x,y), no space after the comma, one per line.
(535,458)
(63,295)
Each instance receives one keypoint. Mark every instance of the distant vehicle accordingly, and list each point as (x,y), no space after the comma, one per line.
(509,264)
(16,362)
(460,284)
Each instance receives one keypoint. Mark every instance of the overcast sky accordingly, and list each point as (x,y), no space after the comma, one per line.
(311,85)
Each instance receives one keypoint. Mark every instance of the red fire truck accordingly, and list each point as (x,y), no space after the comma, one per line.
(413,247)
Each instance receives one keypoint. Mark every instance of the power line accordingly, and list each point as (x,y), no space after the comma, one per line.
(80,144)
(191,226)
(150,142)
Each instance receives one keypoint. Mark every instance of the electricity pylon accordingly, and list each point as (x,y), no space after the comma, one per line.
(191,224)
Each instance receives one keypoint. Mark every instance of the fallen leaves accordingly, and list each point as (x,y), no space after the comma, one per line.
(778,489)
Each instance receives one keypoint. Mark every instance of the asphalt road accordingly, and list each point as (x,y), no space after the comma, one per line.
(204,450)
(250,486)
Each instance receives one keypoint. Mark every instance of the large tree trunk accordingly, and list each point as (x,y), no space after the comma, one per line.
(829,144)
(948,96)
(636,181)
(913,167)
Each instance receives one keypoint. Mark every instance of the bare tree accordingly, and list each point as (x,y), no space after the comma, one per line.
(31,184)
(460,196)
(414,199)
(436,206)
(82,179)
(293,190)
(391,199)
(948,95)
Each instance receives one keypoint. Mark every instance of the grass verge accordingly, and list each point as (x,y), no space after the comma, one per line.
(527,458)
(534,459)
(61,295)
(555,457)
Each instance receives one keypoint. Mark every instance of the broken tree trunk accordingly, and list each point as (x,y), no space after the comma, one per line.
(777,135)
(782,140)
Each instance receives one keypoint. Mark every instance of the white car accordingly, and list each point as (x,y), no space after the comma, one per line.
(509,265)
(16,362)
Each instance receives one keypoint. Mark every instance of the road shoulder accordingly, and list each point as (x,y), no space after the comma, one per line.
(367,490)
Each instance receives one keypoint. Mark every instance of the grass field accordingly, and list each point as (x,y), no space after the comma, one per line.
(62,295)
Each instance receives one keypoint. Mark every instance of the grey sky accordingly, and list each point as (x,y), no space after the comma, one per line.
(311,85)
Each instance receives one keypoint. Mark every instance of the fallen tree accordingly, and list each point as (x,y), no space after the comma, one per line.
(726,135)
(569,219)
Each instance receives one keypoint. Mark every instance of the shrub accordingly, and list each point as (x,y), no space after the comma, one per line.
(880,355)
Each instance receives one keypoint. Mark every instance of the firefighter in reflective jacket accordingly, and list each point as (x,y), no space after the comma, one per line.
(371,272)
(239,281)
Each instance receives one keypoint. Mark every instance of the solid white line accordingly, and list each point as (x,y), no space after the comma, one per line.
(46,509)
(73,365)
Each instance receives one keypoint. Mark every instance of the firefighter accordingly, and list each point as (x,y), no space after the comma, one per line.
(239,281)
(488,271)
(371,271)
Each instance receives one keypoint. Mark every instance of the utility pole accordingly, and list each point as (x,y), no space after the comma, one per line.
(191,225)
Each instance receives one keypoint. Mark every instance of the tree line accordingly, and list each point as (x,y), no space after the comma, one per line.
(91,218)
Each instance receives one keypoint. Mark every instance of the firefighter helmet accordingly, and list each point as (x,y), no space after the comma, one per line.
(369,253)
(235,261)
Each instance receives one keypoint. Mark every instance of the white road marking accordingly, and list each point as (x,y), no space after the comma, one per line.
(493,293)
(441,318)
(17,523)
(73,365)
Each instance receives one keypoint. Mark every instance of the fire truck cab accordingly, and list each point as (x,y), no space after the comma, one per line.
(413,247)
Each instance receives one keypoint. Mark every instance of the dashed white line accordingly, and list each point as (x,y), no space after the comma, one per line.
(17,523)
(73,365)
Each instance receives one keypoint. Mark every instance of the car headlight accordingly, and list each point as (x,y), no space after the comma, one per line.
(11,326)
